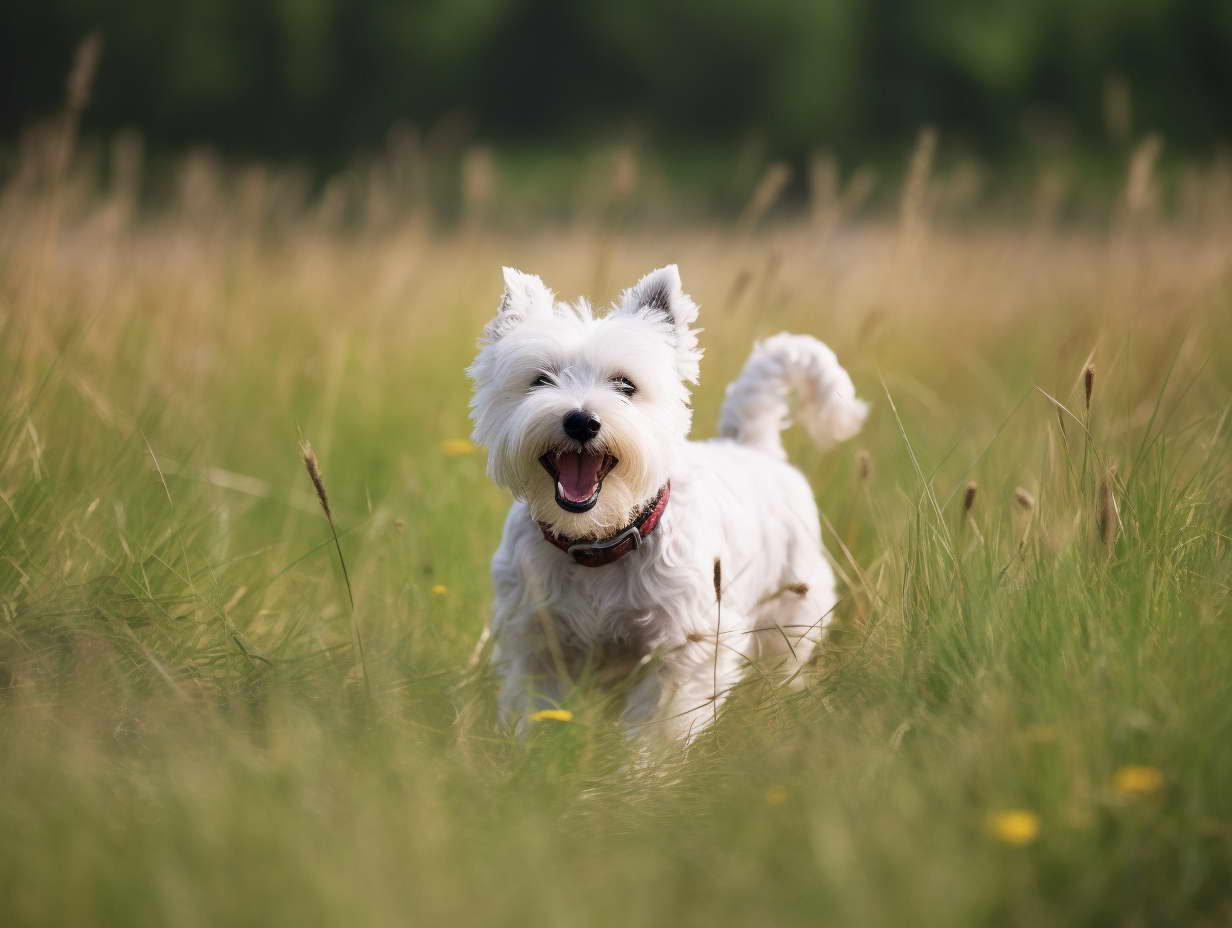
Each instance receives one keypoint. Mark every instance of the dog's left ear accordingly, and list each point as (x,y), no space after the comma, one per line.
(660,294)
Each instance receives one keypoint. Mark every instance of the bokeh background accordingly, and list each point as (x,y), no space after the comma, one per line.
(715,89)
(226,226)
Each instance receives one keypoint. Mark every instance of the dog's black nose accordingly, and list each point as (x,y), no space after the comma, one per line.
(581,425)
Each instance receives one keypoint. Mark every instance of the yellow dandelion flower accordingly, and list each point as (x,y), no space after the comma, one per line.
(776,796)
(1137,780)
(456,447)
(440,590)
(1018,827)
(552,715)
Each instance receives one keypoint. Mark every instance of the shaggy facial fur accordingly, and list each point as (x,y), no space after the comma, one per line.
(543,360)
(585,418)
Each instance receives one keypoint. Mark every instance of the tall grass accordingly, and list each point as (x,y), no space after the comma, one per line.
(1022,716)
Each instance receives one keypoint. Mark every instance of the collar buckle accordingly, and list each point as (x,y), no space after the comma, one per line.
(583,548)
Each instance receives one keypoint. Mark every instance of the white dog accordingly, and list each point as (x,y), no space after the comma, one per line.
(632,552)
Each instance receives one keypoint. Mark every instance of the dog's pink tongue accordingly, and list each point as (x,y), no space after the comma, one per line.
(578,475)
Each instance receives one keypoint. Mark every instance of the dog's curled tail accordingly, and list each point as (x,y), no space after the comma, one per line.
(757,407)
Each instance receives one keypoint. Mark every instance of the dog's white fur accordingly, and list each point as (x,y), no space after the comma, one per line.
(734,500)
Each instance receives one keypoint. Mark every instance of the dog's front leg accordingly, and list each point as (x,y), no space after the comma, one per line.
(528,657)
(529,682)
(688,684)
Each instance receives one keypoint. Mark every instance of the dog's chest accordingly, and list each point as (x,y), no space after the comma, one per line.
(598,609)
(630,606)
(621,604)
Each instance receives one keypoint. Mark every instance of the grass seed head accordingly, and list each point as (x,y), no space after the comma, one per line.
(969,496)
(314,474)
(1088,384)
(864,465)
(81,77)
(1024,499)
(313,466)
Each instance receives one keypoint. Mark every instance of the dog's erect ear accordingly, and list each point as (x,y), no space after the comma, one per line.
(525,295)
(660,294)
(660,290)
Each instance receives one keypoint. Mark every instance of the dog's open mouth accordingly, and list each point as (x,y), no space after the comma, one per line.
(578,476)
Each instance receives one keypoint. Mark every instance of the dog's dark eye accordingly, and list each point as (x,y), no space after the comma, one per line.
(624,385)
(543,380)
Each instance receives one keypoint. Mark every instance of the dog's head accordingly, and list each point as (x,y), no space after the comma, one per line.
(581,415)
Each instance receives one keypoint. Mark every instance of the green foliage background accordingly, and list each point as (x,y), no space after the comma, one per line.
(315,79)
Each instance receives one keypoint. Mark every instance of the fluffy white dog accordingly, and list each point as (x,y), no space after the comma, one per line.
(631,552)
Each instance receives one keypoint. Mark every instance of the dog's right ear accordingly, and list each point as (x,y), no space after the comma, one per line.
(525,296)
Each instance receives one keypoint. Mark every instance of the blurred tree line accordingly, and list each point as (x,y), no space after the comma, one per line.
(318,79)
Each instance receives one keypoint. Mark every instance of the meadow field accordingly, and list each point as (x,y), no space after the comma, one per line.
(1023,715)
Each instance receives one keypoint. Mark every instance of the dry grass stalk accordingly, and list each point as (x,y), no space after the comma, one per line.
(914,204)
(738,288)
(825,204)
(478,179)
(859,189)
(1048,199)
(624,173)
(718,632)
(85,66)
(476,656)
(199,187)
(127,154)
(1141,195)
(1109,519)
(869,325)
(404,166)
(313,466)
(767,193)
(961,189)
(77,95)
(1118,107)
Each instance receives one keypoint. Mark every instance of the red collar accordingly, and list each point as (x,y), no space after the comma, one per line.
(598,553)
